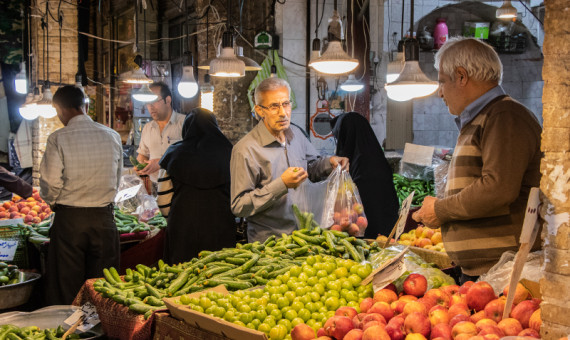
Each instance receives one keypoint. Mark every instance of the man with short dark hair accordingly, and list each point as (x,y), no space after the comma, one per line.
(80,173)
(164,129)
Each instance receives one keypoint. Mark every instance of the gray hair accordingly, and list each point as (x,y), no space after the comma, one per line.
(270,84)
(479,59)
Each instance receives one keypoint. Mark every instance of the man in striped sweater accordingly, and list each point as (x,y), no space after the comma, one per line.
(495,163)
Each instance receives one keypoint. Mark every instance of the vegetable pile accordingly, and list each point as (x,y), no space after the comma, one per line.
(9,274)
(243,267)
(32,332)
(404,187)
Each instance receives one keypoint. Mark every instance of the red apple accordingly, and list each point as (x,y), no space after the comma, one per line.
(354,334)
(414,307)
(487,330)
(440,296)
(417,323)
(464,288)
(375,333)
(372,324)
(450,289)
(385,295)
(436,307)
(338,326)
(353,229)
(458,298)
(373,317)
(302,332)
(349,312)
(441,330)
(362,222)
(494,309)
(523,311)
(408,298)
(459,309)
(529,332)
(336,227)
(366,304)
(458,318)
(480,315)
(439,316)
(321,332)
(428,301)
(415,284)
(395,328)
(464,327)
(485,323)
(415,336)
(510,326)
(479,295)
(392,287)
(383,309)
(324,337)
(357,320)
(535,320)
(398,306)
(521,293)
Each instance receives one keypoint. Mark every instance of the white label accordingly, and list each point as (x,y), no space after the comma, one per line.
(389,274)
(387,270)
(418,154)
(8,249)
(125,194)
(88,316)
(14,221)
(404,211)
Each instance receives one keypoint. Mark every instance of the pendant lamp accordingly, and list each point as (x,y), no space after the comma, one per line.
(351,84)
(27,111)
(44,107)
(506,11)
(144,94)
(137,76)
(250,64)
(187,87)
(227,64)
(207,94)
(21,81)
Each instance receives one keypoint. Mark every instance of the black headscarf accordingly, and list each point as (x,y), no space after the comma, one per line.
(369,170)
(202,158)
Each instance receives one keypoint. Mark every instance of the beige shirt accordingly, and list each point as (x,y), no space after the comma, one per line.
(153,143)
(82,164)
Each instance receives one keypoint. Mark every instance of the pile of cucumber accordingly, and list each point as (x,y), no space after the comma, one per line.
(245,266)
(128,224)
(9,275)
(32,332)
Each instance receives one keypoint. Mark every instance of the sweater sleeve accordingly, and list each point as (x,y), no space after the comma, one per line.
(508,144)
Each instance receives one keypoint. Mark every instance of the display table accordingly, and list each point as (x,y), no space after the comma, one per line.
(147,252)
(117,321)
(166,327)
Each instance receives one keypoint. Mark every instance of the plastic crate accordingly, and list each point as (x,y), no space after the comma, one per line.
(509,43)
(17,233)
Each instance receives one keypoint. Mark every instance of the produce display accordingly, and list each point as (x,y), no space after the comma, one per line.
(306,294)
(404,187)
(9,274)
(12,332)
(32,209)
(128,224)
(423,237)
(416,312)
(243,267)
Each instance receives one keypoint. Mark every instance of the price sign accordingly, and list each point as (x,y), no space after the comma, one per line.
(125,194)
(8,249)
(404,211)
(387,272)
(86,316)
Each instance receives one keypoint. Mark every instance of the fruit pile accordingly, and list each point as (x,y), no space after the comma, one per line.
(305,295)
(9,274)
(33,332)
(32,209)
(470,311)
(423,237)
(246,266)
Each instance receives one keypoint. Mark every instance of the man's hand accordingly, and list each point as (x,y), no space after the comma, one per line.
(426,214)
(294,176)
(342,161)
(151,167)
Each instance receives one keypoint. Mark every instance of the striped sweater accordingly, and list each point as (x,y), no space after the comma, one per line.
(495,163)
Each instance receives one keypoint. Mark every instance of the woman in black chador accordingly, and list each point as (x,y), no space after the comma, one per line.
(200,216)
(369,170)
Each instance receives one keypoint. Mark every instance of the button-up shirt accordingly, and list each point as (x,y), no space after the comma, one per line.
(257,190)
(82,164)
(472,110)
(153,143)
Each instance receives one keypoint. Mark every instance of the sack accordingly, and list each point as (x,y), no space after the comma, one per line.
(343,209)
(308,203)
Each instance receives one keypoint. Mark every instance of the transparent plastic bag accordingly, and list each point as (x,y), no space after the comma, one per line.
(308,203)
(500,274)
(130,193)
(148,208)
(343,208)
(440,169)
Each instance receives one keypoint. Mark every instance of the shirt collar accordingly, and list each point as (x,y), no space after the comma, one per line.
(266,138)
(79,118)
(473,109)
(172,119)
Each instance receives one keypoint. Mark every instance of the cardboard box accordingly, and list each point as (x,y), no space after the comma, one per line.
(211,323)
(479,30)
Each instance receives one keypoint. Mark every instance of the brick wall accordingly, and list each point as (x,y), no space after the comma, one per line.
(44,127)
(555,167)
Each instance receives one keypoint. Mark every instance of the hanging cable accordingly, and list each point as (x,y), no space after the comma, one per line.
(60,17)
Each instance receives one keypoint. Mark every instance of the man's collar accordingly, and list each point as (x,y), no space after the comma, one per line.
(267,138)
(79,118)
(472,110)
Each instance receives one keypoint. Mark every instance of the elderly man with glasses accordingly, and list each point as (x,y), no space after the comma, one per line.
(157,135)
(271,160)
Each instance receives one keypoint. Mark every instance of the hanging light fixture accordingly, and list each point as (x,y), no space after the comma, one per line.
(396,66)
(144,94)
(27,110)
(44,107)
(207,94)
(334,60)
(137,76)
(316,50)
(78,83)
(250,64)
(351,84)
(506,11)
(21,81)
(412,82)
(188,87)
(227,64)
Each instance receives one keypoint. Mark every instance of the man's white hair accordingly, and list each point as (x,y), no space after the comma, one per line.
(479,59)
(270,84)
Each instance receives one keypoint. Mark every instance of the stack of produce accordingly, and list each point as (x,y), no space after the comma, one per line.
(308,294)
(128,224)
(404,187)
(470,311)
(9,274)
(423,237)
(32,209)
(237,268)
(32,332)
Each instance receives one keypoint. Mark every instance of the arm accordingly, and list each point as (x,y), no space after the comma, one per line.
(248,198)
(14,183)
(507,147)
(51,172)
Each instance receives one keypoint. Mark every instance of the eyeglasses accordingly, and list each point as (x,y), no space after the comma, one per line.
(274,108)
(155,101)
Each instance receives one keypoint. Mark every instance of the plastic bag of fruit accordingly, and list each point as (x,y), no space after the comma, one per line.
(343,209)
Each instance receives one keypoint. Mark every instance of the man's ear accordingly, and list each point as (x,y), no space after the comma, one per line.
(169,100)
(258,112)
(461,75)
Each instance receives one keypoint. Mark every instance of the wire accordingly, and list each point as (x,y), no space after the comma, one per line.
(320,20)
(531,12)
